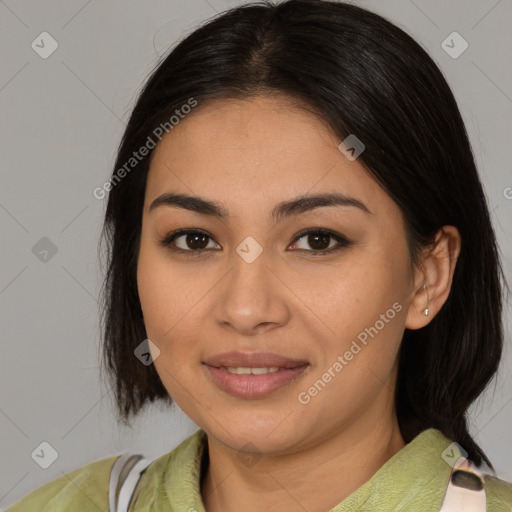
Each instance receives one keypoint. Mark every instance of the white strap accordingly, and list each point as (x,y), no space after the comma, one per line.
(463,499)
(129,485)
(114,479)
(118,502)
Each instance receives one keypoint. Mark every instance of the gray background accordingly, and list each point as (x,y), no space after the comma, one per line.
(62,119)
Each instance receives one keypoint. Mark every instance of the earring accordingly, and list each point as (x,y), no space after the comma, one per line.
(426,310)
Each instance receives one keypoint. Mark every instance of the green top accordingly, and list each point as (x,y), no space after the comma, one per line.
(414,479)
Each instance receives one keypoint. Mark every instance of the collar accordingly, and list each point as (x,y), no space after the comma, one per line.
(415,478)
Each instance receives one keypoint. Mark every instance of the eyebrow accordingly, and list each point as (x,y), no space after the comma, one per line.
(284,209)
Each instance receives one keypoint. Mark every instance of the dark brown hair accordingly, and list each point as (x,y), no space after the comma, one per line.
(365,76)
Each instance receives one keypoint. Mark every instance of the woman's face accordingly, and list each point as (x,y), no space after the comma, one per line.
(332,323)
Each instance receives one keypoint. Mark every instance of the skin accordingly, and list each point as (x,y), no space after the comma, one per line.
(249,155)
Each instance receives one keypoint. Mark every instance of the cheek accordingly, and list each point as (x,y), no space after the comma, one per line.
(352,297)
(359,367)
(150,284)
(174,315)
(165,305)
(164,296)
(160,296)
(365,316)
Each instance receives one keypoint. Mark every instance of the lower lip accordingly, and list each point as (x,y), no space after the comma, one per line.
(253,386)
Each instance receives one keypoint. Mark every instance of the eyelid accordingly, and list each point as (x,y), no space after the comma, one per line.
(340,239)
(170,237)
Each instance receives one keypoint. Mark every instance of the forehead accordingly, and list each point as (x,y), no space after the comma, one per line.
(247,150)
(261,125)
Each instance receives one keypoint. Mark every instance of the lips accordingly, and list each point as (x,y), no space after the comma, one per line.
(253,360)
(230,373)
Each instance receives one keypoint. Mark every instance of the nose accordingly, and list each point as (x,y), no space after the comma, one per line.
(252,299)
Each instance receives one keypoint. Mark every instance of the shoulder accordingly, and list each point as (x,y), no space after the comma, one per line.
(499,494)
(85,488)
(171,479)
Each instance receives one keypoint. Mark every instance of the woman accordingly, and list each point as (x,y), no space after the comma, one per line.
(301,256)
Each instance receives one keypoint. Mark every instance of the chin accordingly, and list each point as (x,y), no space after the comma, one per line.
(258,433)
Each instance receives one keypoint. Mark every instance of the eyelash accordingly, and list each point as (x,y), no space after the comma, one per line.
(342,241)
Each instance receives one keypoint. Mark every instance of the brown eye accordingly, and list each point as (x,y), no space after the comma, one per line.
(196,241)
(188,240)
(320,241)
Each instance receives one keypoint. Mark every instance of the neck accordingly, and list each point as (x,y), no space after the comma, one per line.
(315,479)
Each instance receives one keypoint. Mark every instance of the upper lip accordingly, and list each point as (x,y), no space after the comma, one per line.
(236,359)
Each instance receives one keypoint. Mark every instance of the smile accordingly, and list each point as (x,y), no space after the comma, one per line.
(241,370)
(253,383)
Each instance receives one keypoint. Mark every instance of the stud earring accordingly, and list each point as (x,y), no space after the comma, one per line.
(426,310)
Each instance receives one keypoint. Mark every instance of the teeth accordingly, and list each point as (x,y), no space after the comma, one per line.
(255,371)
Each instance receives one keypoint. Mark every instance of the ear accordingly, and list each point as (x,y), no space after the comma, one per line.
(436,271)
